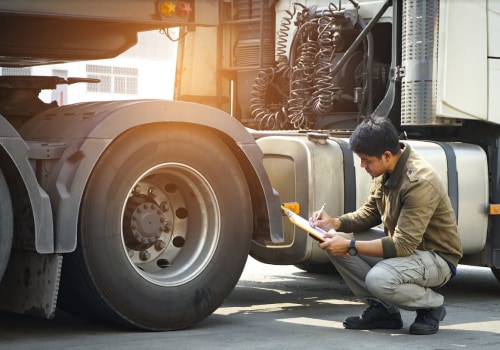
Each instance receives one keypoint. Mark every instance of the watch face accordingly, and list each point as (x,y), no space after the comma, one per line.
(352,251)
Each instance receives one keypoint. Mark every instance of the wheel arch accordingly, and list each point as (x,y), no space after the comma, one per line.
(87,130)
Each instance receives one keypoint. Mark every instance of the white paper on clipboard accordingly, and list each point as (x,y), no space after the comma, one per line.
(297,220)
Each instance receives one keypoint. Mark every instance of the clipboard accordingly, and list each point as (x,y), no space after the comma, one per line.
(299,221)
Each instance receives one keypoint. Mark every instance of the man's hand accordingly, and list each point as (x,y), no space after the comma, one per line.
(324,221)
(335,244)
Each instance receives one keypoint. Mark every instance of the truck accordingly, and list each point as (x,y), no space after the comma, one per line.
(142,213)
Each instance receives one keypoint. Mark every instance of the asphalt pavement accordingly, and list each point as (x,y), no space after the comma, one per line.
(282,307)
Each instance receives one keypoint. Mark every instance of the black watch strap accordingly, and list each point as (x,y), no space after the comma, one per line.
(352,251)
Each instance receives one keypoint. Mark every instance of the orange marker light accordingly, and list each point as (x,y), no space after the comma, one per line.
(293,206)
(494,209)
(167,8)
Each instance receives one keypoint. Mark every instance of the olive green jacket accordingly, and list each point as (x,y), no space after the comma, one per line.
(415,209)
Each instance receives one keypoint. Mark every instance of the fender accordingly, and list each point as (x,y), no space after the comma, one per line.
(87,129)
(16,167)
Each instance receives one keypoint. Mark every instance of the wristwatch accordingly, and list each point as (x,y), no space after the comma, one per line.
(352,251)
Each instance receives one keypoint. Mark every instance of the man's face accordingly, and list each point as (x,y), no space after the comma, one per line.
(373,165)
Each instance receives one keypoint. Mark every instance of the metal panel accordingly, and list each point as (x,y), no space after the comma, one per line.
(462,60)
(133,11)
(306,172)
(494,29)
(419,54)
(472,170)
(439,70)
(494,90)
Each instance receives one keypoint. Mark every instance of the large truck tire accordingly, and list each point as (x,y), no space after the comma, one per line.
(164,231)
(6,224)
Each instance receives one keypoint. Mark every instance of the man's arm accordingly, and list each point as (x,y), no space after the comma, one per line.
(362,219)
(337,245)
(418,205)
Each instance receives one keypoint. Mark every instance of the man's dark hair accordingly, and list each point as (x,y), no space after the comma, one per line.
(374,136)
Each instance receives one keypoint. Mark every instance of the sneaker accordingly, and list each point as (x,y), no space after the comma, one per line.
(427,321)
(375,317)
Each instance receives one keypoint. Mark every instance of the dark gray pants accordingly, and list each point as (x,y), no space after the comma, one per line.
(402,282)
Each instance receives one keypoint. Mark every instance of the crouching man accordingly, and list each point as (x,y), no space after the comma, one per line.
(420,248)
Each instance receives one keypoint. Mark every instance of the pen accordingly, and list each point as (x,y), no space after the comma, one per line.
(320,211)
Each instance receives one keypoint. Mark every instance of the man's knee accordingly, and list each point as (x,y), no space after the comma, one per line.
(380,282)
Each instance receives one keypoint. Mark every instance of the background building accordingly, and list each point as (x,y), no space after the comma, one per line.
(147,70)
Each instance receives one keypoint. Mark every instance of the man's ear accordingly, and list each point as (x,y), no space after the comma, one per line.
(386,156)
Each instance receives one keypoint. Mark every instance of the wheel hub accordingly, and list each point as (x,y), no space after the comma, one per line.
(144,222)
(167,205)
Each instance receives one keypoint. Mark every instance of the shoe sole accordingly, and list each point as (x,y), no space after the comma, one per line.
(430,331)
(377,325)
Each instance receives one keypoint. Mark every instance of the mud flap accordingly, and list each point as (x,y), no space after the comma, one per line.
(31,283)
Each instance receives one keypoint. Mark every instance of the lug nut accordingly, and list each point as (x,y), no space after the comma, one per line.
(152,192)
(144,255)
(160,245)
(167,227)
(164,206)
